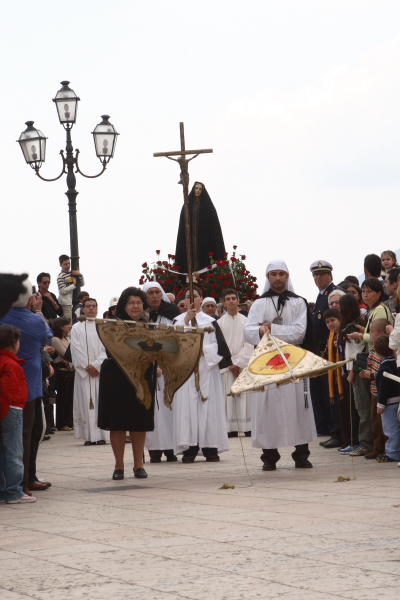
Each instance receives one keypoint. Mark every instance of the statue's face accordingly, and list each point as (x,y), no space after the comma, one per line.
(198,189)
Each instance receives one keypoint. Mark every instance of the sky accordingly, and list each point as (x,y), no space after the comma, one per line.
(298,99)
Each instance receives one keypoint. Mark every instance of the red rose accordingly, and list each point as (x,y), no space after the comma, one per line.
(213,285)
(144,265)
(226,254)
(225,284)
(144,271)
(210,276)
(159,262)
(220,277)
(233,259)
(255,286)
(158,251)
(176,267)
(243,257)
(176,289)
(169,281)
(164,287)
(209,267)
(234,247)
(214,294)
(169,255)
(211,254)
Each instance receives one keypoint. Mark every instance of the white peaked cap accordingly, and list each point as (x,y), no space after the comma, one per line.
(154,284)
(113,301)
(277,265)
(208,299)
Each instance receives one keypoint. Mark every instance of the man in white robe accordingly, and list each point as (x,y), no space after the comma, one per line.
(199,416)
(238,408)
(88,353)
(161,440)
(281,416)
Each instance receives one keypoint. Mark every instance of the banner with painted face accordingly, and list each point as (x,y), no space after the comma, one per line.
(134,345)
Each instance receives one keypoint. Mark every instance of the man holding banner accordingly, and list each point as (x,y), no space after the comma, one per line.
(281,416)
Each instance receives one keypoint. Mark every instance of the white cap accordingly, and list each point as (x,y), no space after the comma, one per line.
(208,299)
(113,302)
(23,298)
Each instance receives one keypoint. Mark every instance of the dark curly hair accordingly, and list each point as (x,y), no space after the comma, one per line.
(123,299)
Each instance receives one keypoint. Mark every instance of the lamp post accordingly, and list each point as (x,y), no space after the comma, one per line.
(33,146)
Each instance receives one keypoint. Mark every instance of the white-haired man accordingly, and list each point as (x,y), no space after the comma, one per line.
(281,416)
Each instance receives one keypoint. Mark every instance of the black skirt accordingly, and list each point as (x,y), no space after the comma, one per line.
(119,409)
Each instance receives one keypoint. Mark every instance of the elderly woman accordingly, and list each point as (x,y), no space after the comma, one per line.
(119,408)
(334,297)
(65,374)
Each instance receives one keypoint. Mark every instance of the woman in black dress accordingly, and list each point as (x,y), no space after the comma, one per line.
(119,409)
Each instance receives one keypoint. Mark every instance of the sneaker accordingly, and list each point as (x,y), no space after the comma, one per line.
(347,450)
(22,500)
(360,451)
(384,459)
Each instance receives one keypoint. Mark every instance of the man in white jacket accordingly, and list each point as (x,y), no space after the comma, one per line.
(88,354)
(232,323)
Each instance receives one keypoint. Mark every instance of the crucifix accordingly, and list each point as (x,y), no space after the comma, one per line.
(184,181)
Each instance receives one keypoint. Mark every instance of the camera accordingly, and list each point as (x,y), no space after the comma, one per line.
(350,328)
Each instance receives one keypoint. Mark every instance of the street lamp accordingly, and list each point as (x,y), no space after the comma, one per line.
(33,146)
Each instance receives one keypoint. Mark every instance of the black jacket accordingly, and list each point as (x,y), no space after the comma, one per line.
(321,331)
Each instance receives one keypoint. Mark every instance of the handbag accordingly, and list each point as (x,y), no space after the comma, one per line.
(361,362)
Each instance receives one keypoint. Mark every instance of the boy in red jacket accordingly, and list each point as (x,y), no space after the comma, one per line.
(13,397)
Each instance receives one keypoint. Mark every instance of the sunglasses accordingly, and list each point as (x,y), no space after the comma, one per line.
(45,282)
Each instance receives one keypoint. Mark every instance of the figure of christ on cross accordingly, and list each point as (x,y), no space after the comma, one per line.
(184,181)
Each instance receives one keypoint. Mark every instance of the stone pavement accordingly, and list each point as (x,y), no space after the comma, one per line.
(294,535)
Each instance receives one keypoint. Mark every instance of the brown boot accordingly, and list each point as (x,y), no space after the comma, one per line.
(372,454)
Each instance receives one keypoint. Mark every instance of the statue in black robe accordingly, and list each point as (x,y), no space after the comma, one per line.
(205,230)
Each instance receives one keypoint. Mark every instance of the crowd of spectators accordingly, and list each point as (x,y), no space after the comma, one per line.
(356,407)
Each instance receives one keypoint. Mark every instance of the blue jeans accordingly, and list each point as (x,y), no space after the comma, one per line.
(391,428)
(11,453)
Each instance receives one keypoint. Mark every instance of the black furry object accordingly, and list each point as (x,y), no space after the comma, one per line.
(10,288)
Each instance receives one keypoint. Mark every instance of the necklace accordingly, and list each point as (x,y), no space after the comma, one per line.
(278,319)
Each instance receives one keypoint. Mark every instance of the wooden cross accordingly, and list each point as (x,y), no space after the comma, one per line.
(184,181)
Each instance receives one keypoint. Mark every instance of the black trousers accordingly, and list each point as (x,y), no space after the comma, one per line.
(37,431)
(272,455)
(65,399)
(326,415)
(194,450)
(159,453)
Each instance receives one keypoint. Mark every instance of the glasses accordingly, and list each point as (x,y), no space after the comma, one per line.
(334,303)
(90,306)
(46,282)
(133,303)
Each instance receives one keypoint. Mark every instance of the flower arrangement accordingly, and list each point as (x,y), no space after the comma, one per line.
(229,272)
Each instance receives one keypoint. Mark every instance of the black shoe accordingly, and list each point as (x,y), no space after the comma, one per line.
(269,466)
(89,443)
(247,433)
(46,438)
(326,441)
(212,458)
(323,434)
(118,474)
(101,443)
(232,434)
(155,459)
(140,473)
(172,458)
(332,443)
(302,463)
(188,459)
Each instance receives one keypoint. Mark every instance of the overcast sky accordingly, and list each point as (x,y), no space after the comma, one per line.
(299,100)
